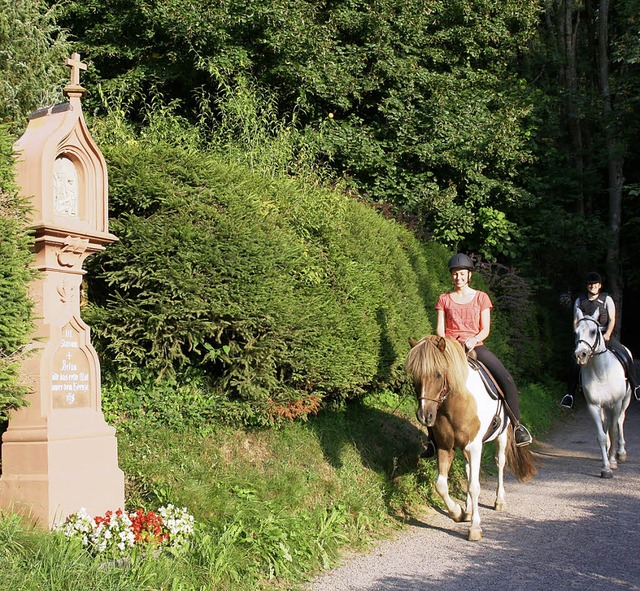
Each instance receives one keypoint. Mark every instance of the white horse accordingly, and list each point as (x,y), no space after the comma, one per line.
(605,389)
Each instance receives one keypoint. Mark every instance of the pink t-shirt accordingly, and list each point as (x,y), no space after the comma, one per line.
(462,321)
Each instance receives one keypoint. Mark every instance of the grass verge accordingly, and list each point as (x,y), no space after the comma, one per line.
(272,506)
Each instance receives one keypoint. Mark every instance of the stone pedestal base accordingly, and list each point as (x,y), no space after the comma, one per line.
(51,471)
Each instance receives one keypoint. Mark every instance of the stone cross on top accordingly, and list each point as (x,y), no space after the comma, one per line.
(76,65)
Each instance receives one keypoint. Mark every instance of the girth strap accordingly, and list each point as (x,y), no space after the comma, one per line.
(497,422)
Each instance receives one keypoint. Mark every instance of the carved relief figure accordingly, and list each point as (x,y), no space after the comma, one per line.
(65,187)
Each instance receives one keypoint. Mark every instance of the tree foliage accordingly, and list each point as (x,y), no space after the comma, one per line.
(15,305)
(419,106)
(32,53)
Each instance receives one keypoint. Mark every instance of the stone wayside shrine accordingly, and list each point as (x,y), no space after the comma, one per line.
(58,453)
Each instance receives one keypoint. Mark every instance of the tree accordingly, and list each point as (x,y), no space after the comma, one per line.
(32,53)
(615,161)
(419,107)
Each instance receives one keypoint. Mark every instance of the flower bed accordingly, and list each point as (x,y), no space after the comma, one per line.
(115,533)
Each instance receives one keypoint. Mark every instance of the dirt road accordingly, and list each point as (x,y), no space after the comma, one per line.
(567,529)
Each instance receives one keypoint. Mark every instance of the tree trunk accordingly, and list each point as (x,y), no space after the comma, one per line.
(570,23)
(614,167)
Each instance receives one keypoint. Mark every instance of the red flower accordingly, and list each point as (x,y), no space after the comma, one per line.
(147,528)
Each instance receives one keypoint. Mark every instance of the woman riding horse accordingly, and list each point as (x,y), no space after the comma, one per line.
(587,303)
(465,315)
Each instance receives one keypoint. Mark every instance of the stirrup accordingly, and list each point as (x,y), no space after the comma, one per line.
(567,401)
(525,437)
(636,392)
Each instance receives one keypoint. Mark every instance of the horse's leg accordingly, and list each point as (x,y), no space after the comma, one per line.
(603,440)
(501,445)
(473,453)
(612,415)
(466,516)
(622,446)
(445,458)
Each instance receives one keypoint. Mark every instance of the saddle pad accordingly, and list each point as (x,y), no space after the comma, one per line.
(487,378)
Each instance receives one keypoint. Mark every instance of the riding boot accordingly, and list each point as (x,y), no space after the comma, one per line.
(429,451)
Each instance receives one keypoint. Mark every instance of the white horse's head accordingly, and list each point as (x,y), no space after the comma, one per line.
(589,338)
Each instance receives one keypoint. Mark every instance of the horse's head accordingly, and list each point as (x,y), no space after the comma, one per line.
(438,367)
(589,338)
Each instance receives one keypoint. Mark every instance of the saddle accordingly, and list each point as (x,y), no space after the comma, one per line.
(624,358)
(489,381)
(494,392)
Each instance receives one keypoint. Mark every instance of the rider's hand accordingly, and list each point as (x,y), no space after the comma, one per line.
(470,343)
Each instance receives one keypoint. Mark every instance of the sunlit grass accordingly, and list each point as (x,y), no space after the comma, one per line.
(272,506)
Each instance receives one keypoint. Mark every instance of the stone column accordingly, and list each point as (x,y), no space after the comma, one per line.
(59,454)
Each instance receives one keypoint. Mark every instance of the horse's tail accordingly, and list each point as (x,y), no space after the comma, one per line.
(519,459)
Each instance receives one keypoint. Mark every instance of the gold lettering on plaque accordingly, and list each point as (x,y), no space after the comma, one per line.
(70,375)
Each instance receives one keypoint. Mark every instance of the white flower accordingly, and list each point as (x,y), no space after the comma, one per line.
(113,533)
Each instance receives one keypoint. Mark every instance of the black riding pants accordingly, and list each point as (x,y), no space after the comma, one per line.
(502,376)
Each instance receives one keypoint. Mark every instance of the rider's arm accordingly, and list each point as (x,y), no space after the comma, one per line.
(485,328)
(611,310)
(440,324)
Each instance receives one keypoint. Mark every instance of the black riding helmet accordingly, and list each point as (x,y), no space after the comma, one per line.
(460,261)
(592,277)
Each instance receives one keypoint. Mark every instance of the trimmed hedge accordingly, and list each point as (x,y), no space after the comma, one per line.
(272,295)
(15,273)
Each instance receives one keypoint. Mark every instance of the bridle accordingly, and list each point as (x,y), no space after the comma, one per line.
(597,342)
(442,394)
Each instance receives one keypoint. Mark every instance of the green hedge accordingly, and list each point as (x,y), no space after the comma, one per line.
(15,273)
(272,295)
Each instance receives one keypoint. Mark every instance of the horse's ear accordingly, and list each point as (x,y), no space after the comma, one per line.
(596,314)
(579,314)
(412,342)
(442,345)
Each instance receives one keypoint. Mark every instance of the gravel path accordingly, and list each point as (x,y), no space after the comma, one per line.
(566,529)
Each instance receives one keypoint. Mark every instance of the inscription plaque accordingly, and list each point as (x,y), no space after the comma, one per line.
(70,385)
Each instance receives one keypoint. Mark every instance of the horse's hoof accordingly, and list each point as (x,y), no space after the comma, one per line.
(466,516)
(475,535)
(457,515)
(500,506)
(622,458)
(606,474)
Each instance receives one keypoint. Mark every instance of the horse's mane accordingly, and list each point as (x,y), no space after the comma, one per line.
(438,355)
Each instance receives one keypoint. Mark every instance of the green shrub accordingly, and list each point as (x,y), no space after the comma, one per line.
(262,291)
(15,258)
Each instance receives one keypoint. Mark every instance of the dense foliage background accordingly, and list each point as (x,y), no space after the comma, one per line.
(504,129)
(287,181)
(492,122)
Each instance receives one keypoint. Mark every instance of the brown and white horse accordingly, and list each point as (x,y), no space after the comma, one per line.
(454,403)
